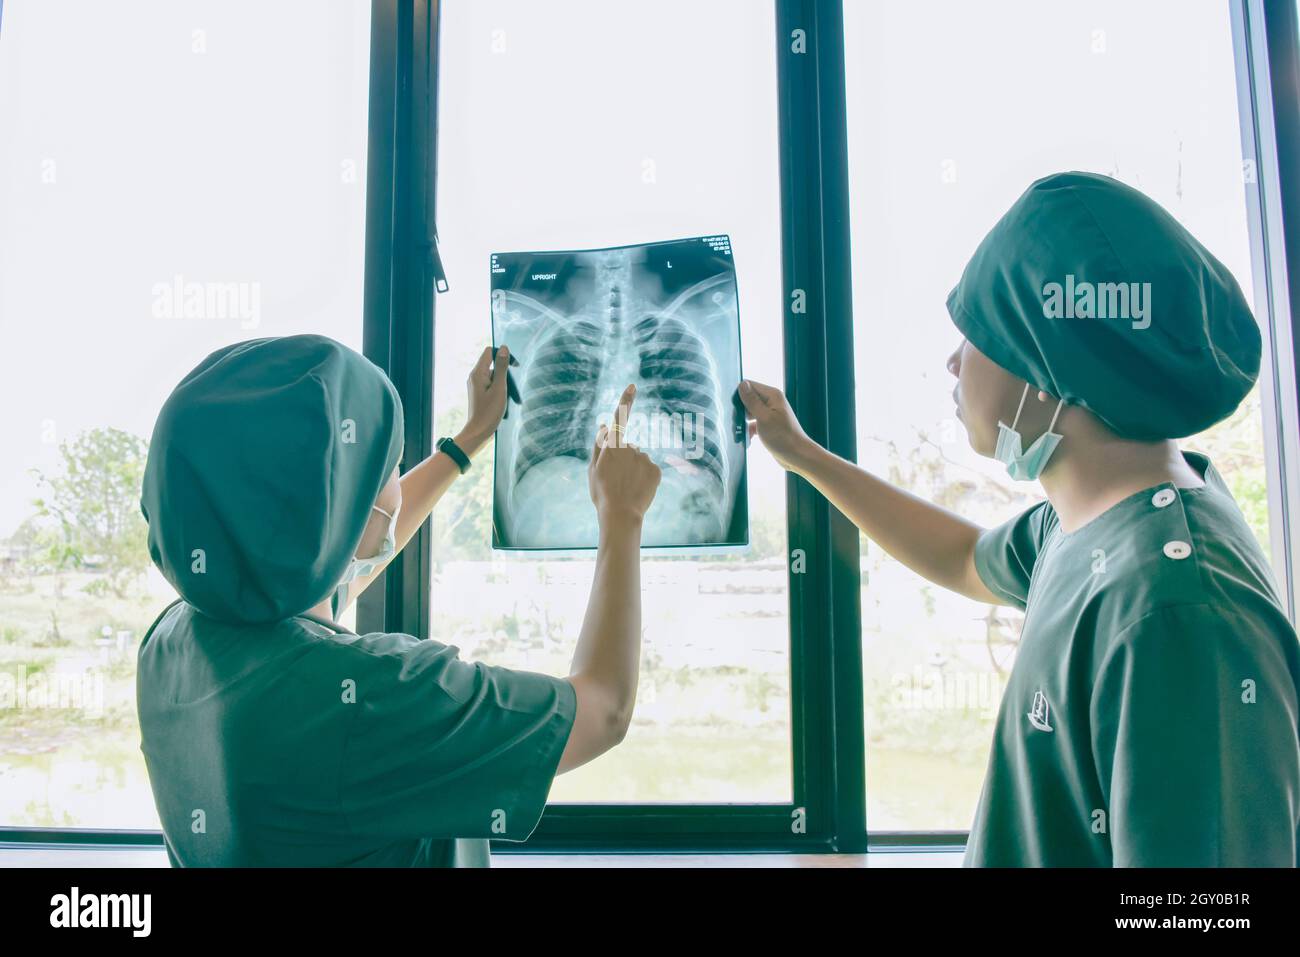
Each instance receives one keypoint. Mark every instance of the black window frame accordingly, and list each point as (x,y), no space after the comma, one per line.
(1266,51)
(828,810)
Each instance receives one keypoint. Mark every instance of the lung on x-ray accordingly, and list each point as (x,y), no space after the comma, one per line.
(583,325)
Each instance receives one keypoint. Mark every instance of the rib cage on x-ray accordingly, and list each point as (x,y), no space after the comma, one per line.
(584,325)
(674,369)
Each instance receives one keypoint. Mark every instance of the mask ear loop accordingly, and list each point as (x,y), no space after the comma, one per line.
(1020,408)
(1052,425)
(392,521)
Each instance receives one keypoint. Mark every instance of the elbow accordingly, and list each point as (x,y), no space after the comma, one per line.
(618,721)
(604,711)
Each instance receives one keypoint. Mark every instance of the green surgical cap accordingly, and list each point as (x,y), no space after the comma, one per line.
(263,467)
(1091,291)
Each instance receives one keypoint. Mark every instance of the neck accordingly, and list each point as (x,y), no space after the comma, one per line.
(322,611)
(1086,477)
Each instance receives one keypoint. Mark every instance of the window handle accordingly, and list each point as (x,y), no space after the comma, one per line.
(434,260)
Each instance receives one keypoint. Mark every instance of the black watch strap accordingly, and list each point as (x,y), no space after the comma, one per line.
(454,452)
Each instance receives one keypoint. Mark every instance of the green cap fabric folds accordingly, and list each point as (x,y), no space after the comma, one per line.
(261,474)
(1090,290)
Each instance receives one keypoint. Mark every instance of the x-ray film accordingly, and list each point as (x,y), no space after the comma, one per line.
(583,324)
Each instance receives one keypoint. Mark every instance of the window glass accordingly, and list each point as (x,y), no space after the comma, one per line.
(171,182)
(576,125)
(950,118)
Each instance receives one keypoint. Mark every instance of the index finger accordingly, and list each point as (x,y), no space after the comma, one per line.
(495,379)
(622,411)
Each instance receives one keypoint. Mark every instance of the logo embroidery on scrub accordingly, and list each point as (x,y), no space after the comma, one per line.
(1039,712)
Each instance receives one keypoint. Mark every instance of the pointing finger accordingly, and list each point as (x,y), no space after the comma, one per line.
(622,411)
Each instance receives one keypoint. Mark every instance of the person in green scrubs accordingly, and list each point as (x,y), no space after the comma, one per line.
(1151,715)
(275,737)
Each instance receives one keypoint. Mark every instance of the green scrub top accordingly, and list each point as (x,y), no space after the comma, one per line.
(299,744)
(1151,716)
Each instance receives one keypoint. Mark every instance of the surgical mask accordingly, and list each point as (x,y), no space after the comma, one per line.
(360,567)
(1028,464)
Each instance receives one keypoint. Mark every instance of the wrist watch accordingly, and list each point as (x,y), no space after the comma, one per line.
(448,447)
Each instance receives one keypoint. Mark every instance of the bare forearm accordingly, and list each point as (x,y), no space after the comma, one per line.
(606,662)
(424,485)
(422,488)
(932,541)
(609,645)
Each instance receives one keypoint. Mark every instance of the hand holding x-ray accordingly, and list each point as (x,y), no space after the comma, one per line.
(773,420)
(487,395)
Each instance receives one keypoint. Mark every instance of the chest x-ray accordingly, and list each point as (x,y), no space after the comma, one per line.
(584,324)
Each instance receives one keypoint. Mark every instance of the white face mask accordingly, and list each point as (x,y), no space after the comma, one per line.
(1026,464)
(360,567)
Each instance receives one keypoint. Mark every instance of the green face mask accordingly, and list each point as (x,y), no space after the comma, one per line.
(1028,464)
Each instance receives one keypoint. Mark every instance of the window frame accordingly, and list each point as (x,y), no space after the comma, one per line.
(1266,49)
(827,726)
(827,733)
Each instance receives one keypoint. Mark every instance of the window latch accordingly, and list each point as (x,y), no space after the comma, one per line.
(434,261)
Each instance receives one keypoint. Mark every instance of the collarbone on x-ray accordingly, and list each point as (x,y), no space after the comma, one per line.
(585,324)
